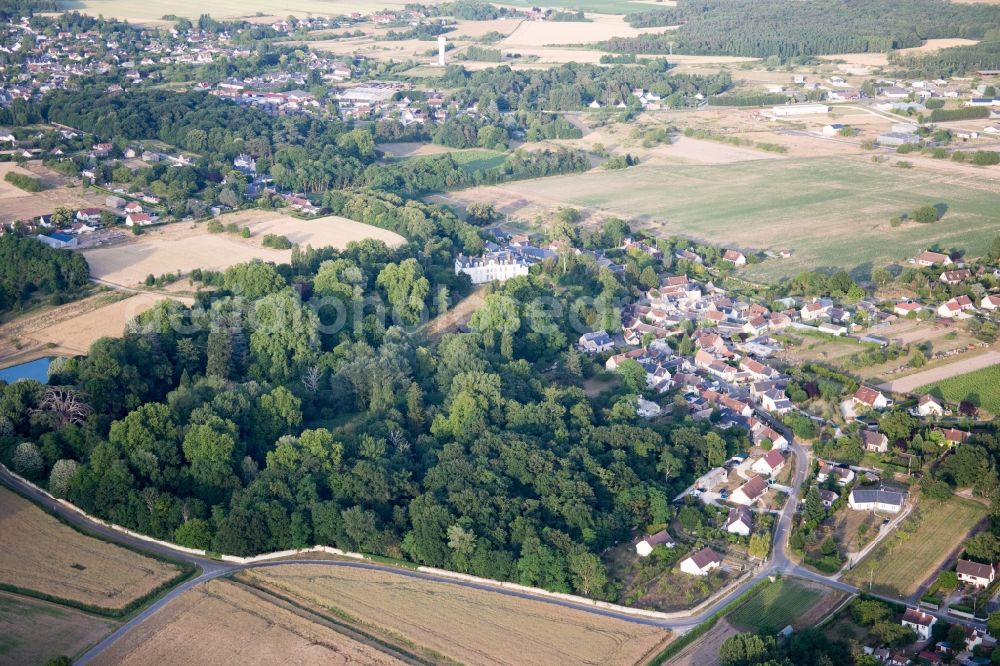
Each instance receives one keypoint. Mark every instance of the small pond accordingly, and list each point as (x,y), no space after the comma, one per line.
(37,369)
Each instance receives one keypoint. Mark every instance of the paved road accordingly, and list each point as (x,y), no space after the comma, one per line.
(210,569)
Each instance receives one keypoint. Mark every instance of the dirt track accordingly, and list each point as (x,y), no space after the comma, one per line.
(966,365)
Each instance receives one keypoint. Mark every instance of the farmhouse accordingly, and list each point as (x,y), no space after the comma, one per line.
(875,500)
(770,464)
(750,492)
(928,405)
(928,258)
(701,562)
(828,497)
(919,622)
(646,545)
(874,441)
(871,398)
(740,521)
(975,573)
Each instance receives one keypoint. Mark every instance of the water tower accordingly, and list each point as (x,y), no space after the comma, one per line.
(442,40)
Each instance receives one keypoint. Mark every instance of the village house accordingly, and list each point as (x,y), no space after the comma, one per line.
(138,220)
(769,464)
(990,302)
(596,342)
(920,622)
(740,521)
(701,562)
(928,258)
(871,398)
(874,441)
(953,436)
(815,310)
(844,475)
(861,499)
(647,409)
(906,307)
(133,207)
(750,492)
(975,573)
(828,497)
(956,308)
(928,405)
(646,545)
(956,276)
(88,215)
(735,257)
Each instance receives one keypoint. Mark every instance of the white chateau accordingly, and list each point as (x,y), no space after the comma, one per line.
(496,266)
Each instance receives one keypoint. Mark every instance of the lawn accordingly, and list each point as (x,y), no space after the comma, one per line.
(830,211)
(776,606)
(899,564)
(981,388)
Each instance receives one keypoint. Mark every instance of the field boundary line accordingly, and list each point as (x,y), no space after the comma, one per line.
(345,626)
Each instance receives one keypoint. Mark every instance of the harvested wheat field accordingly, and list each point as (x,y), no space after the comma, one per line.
(33,631)
(21,205)
(464,624)
(329,231)
(42,554)
(183,247)
(221,623)
(599,28)
(9,190)
(931,45)
(75,335)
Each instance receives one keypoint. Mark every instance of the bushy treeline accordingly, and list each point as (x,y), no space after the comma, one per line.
(27,265)
(24,181)
(441,172)
(763,28)
(573,86)
(963,113)
(748,99)
(955,60)
(465,10)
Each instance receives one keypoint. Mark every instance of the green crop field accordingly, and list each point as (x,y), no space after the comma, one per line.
(776,606)
(981,388)
(898,565)
(478,160)
(829,211)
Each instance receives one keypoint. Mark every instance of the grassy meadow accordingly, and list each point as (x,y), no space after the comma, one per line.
(920,544)
(981,388)
(829,211)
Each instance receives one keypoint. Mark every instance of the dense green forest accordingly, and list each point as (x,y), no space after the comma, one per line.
(28,265)
(764,28)
(260,420)
(572,86)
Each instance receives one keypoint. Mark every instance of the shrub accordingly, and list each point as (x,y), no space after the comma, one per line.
(61,476)
(277,242)
(214,227)
(27,460)
(26,183)
(927,214)
(986,158)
